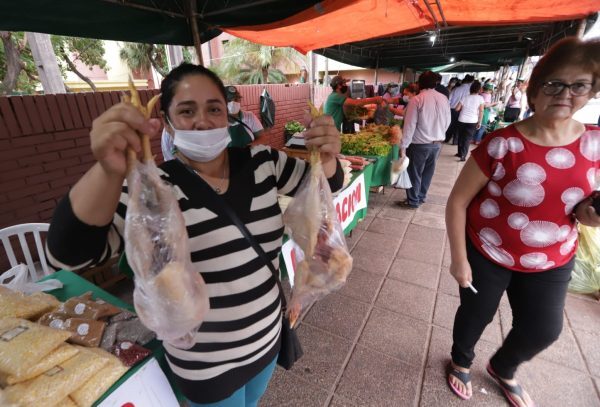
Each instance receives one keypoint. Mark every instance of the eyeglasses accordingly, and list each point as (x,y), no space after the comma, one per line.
(554,88)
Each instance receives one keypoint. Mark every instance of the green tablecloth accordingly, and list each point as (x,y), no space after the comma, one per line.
(73,286)
(382,167)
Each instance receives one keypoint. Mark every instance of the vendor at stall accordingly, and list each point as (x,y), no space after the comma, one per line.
(244,127)
(338,99)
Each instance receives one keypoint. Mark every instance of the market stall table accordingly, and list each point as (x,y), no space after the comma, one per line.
(73,286)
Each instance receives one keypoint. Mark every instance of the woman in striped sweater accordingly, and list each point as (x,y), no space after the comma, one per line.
(238,342)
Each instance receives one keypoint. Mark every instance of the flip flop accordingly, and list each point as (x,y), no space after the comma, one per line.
(506,388)
(464,377)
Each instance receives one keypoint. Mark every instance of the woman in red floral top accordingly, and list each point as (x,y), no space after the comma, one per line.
(512,218)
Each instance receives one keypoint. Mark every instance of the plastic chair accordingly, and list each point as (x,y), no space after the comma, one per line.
(21,231)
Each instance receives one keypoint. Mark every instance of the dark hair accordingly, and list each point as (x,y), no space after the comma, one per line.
(475,87)
(568,52)
(412,88)
(468,79)
(427,80)
(170,82)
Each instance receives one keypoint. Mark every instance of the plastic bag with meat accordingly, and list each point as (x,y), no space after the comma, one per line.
(324,261)
(170,297)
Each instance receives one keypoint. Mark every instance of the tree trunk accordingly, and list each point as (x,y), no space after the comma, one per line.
(13,64)
(74,69)
(45,60)
(154,62)
(265,74)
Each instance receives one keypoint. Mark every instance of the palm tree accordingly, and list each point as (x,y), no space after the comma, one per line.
(246,62)
(141,57)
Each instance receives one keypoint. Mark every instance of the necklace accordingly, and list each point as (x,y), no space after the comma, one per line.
(217,189)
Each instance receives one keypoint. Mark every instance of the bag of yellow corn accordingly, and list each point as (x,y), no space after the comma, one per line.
(57,356)
(53,386)
(24,343)
(14,304)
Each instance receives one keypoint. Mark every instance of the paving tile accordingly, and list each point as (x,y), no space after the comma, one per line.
(324,355)
(287,389)
(339,401)
(420,233)
(437,199)
(365,222)
(394,211)
(550,384)
(419,251)
(361,285)
(583,315)
(439,356)
(433,209)
(445,311)
(353,239)
(447,259)
(432,221)
(339,315)
(388,227)
(589,343)
(448,284)
(371,261)
(407,299)
(436,392)
(565,351)
(378,242)
(373,379)
(415,272)
(396,335)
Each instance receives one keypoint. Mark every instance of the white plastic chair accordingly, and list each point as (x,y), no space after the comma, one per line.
(21,231)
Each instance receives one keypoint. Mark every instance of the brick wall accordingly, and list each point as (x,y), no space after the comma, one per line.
(44,143)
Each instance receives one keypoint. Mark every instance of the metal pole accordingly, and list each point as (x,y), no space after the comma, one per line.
(581,27)
(191,12)
(376,72)
(326,76)
(524,61)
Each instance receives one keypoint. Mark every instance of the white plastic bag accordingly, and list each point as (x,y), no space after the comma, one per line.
(403,181)
(18,279)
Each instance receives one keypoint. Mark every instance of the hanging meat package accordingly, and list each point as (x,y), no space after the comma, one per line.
(323,259)
(170,296)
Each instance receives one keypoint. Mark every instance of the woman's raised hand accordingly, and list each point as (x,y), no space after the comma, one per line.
(323,135)
(115,130)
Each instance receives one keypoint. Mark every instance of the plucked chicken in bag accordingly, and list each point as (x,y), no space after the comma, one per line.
(170,297)
(324,261)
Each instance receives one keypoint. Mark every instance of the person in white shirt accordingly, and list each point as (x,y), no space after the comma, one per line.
(470,110)
(426,120)
(455,97)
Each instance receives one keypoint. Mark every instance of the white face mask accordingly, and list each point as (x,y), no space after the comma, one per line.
(406,98)
(201,145)
(233,107)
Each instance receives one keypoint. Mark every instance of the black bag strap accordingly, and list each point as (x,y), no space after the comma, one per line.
(206,192)
(235,119)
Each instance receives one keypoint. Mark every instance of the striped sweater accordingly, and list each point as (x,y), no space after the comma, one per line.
(240,334)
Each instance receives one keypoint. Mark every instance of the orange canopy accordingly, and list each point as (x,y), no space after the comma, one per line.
(334,22)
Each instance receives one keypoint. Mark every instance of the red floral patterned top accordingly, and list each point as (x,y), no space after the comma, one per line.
(522,219)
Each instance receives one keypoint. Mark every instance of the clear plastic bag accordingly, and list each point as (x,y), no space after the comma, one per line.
(324,261)
(18,279)
(585,278)
(170,296)
(401,166)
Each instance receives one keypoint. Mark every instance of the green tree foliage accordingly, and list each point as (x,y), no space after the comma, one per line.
(141,57)
(245,62)
(19,59)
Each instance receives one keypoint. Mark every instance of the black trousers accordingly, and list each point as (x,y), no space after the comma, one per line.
(451,133)
(511,114)
(537,301)
(465,135)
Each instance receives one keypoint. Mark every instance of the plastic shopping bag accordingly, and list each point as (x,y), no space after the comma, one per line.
(19,279)
(585,278)
(170,296)
(403,181)
(324,261)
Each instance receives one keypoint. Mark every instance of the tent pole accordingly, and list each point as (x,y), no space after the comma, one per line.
(326,76)
(376,72)
(581,27)
(191,13)
(522,66)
